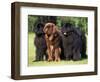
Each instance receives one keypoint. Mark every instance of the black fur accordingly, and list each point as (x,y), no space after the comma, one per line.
(84,42)
(40,43)
(72,42)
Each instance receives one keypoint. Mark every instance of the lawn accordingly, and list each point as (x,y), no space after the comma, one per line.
(31,56)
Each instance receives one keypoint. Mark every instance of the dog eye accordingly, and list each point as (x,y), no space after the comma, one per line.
(52,25)
(48,26)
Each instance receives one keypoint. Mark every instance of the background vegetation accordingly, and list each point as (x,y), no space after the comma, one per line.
(78,22)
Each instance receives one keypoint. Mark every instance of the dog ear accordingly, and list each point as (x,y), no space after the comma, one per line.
(45,29)
(54,29)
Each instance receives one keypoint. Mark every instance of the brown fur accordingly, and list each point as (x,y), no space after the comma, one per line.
(52,37)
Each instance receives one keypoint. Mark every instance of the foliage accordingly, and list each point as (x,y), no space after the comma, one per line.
(78,22)
(31,22)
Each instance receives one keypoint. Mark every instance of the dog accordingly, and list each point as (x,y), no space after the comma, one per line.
(72,42)
(40,42)
(84,42)
(53,40)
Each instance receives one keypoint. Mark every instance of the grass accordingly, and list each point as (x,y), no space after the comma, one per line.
(31,56)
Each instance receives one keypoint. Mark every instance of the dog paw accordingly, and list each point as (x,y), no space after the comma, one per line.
(50,59)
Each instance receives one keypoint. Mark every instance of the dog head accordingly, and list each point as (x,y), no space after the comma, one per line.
(49,28)
(38,29)
(67,29)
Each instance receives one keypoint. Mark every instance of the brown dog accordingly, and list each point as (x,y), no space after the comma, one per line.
(53,39)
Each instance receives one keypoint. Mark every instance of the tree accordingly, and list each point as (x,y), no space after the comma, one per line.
(78,22)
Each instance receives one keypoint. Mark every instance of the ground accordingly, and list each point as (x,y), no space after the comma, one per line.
(31,56)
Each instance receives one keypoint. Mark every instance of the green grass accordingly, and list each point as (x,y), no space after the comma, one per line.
(31,56)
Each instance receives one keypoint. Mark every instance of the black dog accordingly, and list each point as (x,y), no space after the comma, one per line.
(72,42)
(40,43)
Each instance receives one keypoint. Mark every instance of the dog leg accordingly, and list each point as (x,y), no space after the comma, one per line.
(37,57)
(57,54)
(76,55)
(49,55)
